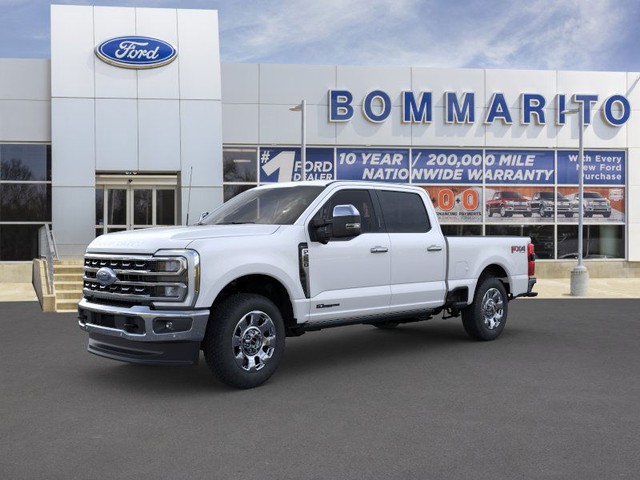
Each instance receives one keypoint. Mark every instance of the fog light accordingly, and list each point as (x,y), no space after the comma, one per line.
(171,325)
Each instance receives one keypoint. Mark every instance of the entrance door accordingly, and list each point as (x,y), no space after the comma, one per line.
(126,202)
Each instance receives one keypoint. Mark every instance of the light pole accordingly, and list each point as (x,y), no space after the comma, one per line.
(302,107)
(580,274)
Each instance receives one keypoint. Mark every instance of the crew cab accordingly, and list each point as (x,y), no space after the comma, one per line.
(280,260)
(545,203)
(508,203)
(595,204)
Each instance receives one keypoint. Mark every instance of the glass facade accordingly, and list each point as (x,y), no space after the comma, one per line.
(474,191)
(25,198)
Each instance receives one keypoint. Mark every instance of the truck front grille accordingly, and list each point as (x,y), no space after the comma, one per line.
(136,280)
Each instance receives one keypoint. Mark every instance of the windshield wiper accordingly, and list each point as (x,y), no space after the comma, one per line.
(233,223)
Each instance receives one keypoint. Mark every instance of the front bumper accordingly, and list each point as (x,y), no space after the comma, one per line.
(138,334)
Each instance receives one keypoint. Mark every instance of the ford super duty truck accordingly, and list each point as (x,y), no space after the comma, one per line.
(281,260)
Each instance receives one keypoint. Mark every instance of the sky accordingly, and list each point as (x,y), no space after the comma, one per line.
(516,34)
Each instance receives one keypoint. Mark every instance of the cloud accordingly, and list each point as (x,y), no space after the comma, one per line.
(538,34)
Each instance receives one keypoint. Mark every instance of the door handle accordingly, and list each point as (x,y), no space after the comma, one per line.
(434,248)
(379,249)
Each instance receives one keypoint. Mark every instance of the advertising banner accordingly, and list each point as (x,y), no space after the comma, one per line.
(456,203)
(446,166)
(508,204)
(601,167)
(378,165)
(600,204)
(284,164)
(533,167)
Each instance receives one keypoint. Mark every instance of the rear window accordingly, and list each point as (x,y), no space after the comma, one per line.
(404,212)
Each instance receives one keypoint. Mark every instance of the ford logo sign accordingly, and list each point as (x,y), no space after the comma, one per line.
(136,52)
(105,276)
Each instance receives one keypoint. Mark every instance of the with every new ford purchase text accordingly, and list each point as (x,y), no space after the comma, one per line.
(279,260)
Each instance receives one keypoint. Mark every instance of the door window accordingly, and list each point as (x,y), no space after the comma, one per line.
(404,212)
(361,199)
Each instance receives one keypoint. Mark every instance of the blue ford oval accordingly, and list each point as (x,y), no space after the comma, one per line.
(136,52)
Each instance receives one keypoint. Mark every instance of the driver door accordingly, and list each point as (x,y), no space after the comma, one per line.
(350,277)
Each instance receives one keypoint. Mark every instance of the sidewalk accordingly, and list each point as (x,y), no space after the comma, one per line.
(546,288)
(598,288)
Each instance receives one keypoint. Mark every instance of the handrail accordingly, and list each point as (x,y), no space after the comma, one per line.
(47,249)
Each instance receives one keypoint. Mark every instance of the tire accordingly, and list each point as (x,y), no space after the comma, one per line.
(542,212)
(244,341)
(588,215)
(489,212)
(486,317)
(606,215)
(386,325)
(568,215)
(503,212)
(526,215)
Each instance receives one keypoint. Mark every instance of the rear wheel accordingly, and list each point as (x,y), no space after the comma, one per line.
(245,340)
(485,318)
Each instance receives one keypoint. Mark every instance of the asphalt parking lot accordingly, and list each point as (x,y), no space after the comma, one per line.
(557,396)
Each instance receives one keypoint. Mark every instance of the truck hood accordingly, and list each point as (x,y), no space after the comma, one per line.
(150,240)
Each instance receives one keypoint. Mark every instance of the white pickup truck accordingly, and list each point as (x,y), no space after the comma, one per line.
(284,259)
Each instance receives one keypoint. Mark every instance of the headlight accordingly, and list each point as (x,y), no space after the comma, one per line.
(178,278)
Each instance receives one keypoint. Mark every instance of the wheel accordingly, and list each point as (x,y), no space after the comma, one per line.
(568,215)
(527,214)
(244,341)
(485,318)
(606,215)
(542,214)
(588,215)
(386,325)
(503,212)
(489,212)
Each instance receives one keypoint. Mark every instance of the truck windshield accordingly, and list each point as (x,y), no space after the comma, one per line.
(272,206)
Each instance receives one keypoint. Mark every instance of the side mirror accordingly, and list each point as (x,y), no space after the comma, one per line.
(202,216)
(346,221)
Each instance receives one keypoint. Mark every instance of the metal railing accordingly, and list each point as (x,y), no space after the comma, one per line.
(47,250)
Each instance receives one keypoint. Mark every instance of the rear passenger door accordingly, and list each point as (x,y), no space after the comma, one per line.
(417,252)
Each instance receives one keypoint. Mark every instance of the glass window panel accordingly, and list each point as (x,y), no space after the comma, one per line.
(99,206)
(404,212)
(239,164)
(143,207)
(231,191)
(25,162)
(18,242)
(541,236)
(99,231)
(461,230)
(599,241)
(165,207)
(117,206)
(25,202)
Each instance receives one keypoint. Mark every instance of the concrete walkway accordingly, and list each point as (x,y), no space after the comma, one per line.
(17,292)
(546,288)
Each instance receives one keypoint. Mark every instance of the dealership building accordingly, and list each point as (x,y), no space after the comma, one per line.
(134,123)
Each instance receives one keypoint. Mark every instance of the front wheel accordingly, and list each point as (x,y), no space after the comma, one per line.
(485,318)
(244,341)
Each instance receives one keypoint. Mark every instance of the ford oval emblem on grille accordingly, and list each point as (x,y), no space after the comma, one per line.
(105,276)
(136,52)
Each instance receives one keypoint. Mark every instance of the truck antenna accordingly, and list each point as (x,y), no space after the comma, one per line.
(189,194)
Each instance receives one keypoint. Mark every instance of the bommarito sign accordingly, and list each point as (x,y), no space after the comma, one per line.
(459,108)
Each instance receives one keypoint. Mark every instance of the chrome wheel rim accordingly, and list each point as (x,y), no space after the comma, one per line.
(502,211)
(492,308)
(254,341)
